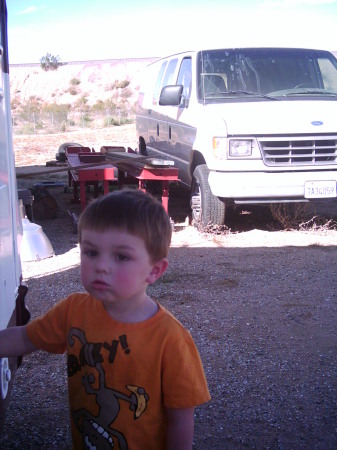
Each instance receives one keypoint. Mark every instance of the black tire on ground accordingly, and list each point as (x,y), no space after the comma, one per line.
(61,154)
(206,208)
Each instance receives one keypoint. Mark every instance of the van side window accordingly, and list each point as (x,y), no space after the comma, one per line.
(185,77)
(168,79)
(157,88)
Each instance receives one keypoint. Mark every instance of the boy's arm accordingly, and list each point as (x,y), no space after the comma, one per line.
(15,342)
(180,429)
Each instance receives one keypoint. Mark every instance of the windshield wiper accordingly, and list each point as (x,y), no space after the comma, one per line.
(240,92)
(311,92)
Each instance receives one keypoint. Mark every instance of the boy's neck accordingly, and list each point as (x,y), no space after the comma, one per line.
(132,312)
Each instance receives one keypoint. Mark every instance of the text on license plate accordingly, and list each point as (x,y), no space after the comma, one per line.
(320,189)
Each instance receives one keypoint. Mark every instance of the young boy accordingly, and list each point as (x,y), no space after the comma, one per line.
(134,373)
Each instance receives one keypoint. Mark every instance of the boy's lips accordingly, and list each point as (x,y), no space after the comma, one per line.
(99,284)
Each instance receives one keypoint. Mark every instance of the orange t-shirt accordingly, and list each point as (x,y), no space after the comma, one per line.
(121,376)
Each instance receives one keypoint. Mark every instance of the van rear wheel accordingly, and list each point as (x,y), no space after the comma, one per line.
(206,208)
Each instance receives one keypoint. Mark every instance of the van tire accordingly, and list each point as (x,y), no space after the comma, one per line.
(206,207)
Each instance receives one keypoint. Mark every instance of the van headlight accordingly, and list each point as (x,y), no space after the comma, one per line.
(240,148)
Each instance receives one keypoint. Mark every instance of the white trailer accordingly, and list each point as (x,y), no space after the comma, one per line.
(12,290)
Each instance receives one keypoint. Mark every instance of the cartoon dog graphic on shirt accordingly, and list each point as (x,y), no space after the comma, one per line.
(95,430)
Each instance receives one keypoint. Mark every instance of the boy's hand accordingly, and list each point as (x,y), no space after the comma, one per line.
(180,429)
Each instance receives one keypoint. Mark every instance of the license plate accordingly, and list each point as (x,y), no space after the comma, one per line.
(320,189)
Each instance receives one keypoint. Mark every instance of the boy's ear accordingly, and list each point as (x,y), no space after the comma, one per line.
(157,271)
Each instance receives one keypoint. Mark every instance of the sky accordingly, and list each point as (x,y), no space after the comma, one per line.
(86,30)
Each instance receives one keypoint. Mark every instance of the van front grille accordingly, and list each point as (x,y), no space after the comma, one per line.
(299,151)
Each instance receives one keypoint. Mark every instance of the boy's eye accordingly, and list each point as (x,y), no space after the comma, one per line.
(122,258)
(90,253)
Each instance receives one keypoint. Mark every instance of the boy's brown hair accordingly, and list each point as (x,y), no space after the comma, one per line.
(135,212)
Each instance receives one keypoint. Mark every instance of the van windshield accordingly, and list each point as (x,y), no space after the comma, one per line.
(266,74)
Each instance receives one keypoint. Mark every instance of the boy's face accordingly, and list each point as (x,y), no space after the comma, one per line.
(116,267)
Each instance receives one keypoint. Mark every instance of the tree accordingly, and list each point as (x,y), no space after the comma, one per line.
(50,62)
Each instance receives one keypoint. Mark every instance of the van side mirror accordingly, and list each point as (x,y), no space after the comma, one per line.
(171,95)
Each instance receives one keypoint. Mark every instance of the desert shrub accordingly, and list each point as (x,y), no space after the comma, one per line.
(50,62)
(113,121)
(121,84)
(58,112)
(72,90)
(81,102)
(211,229)
(126,93)
(99,106)
(318,223)
(34,100)
(75,81)
(30,110)
(291,215)
(15,103)
(86,120)
(110,105)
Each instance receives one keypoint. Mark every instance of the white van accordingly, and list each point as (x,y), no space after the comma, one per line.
(12,292)
(243,125)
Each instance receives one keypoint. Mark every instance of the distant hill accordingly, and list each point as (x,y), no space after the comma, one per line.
(92,79)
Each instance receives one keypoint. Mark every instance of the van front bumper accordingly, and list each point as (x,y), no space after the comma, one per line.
(276,186)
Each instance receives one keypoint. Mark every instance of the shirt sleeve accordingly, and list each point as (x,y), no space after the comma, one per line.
(49,331)
(184,382)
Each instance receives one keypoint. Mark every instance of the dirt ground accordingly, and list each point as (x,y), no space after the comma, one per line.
(260,304)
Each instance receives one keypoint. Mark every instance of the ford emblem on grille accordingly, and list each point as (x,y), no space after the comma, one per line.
(317,123)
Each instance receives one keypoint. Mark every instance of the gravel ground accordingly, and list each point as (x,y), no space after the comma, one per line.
(261,306)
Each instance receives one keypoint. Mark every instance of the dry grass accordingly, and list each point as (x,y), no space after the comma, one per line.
(300,216)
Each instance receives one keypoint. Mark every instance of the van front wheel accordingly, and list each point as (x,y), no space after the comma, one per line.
(206,208)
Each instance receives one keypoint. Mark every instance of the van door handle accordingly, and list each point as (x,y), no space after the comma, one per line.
(149,111)
(157,129)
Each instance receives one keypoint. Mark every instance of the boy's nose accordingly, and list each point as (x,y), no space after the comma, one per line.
(103,265)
